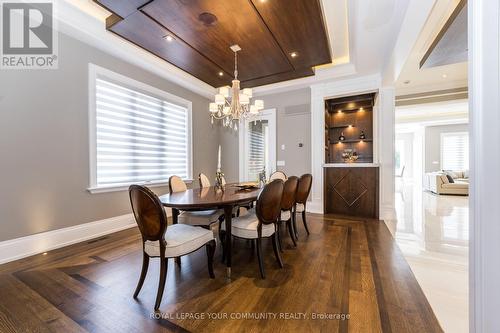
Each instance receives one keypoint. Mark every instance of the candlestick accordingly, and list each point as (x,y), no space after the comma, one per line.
(219,160)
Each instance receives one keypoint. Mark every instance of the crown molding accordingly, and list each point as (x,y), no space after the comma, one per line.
(84,27)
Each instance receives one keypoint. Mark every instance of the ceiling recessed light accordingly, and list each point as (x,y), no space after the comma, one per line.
(407,82)
(444,76)
(294,54)
(168,38)
(221,73)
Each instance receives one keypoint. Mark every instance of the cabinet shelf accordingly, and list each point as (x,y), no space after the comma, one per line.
(352,141)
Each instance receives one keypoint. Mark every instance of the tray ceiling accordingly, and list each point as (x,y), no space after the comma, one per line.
(201,31)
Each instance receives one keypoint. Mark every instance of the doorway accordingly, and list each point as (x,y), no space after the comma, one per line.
(257,140)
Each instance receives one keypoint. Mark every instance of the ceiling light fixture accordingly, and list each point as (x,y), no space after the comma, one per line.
(294,54)
(221,73)
(168,38)
(232,104)
(444,76)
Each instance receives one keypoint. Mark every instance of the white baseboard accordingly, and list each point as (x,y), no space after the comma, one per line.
(19,248)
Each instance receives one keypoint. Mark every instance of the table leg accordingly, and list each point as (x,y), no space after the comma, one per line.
(228,215)
(175,215)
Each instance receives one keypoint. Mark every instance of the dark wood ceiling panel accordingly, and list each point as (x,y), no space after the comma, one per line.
(122,8)
(150,37)
(237,23)
(267,31)
(298,27)
(291,75)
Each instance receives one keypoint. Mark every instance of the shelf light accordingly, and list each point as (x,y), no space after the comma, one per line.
(361,110)
(339,111)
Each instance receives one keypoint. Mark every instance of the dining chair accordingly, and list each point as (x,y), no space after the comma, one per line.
(287,205)
(277,175)
(202,218)
(303,190)
(261,222)
(160,241)
(203,180)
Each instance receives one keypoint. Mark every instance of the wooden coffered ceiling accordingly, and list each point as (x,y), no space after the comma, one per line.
(201,32)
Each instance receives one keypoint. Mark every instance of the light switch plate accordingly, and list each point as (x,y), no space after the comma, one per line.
(280,163)
(282,147)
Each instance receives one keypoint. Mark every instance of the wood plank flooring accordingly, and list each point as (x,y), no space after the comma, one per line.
(345,267)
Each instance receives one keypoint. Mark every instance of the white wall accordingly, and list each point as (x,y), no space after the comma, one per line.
(433,144)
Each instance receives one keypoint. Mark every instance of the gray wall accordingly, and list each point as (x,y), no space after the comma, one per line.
(44,168)
(433,144)
(293,122)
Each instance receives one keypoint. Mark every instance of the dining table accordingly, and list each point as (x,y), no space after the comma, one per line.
(226,198)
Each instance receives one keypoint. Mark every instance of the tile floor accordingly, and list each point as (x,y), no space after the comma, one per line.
(433,233)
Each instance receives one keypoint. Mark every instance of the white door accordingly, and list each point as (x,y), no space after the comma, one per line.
(258,146)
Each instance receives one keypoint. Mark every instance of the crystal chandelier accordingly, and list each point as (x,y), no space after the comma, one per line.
(232,103)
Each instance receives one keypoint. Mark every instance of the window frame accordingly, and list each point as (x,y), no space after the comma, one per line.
(441,144)
(95,72)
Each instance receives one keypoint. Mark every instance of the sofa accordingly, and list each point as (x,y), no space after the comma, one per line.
(439,182)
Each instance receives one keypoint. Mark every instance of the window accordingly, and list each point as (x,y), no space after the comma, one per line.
(139,134)
(455,151)
(257,148)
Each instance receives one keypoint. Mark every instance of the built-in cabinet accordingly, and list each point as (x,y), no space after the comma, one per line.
(349,129)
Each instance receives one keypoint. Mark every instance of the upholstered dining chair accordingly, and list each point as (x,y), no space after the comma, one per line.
(303,190)
(203,180)
(277,175)
(287,206)
(202,218)
(158,241)
(261,222)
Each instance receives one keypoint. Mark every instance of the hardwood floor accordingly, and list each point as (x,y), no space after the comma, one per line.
(343,267)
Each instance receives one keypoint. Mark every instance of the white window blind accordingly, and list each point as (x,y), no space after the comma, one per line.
(455,151)
(257,154)
(139,137)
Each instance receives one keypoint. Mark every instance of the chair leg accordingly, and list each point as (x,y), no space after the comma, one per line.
(290,231)
(259,255)
(304,220)
(144,271)
(278,236)
(210,255)
(161,284)
(178,261)
(274,239)
(294,222)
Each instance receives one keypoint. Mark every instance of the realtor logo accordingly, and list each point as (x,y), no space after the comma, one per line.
(29,38)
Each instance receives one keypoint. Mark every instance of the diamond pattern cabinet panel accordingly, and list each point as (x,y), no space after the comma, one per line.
(352,191)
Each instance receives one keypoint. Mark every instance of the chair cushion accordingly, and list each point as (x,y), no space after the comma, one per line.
(203,217)
(246,226)
(181,239)
(457,185)
(285,215)
(300,208)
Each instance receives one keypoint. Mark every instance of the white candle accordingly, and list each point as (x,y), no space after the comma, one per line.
(218,160)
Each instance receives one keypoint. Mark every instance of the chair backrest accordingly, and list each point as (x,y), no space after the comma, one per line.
(305,183)
(277,175)
(176,184)
(148,212)
(223,180)
(204,181)
(289,192)
(268,206)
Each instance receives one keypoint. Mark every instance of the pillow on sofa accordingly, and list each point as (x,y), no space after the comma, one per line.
(466,174)
(453,174)
(450,179)
(444,179)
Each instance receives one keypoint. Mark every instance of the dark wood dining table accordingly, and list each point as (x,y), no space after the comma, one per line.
(212,198)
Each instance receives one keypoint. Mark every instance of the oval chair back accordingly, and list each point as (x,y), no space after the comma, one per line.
(289,191)
(176,184)
(277,175)
(305,183)
(204,181)
(268,207)
(148,212)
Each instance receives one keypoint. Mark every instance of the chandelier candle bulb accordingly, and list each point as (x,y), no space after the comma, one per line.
(213,107)
(244,100)
(224,91)
(219,99)
(248,92)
